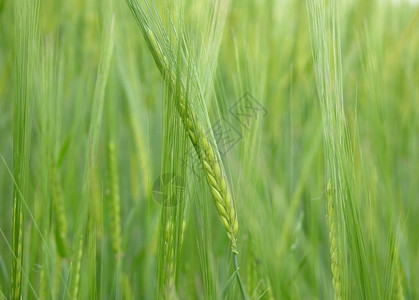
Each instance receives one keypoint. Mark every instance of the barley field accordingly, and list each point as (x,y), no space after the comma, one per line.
(185,149)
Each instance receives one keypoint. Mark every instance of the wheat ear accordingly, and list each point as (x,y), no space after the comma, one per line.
(76,274)
(127,293)
(333,245)
(398,275)
(59,215)
(214,174)
(115,210)
(399,295)
(170,267)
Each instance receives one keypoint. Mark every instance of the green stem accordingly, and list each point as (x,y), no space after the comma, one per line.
(241,286)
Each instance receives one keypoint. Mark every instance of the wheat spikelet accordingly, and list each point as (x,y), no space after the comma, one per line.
(115,210)
(333,245)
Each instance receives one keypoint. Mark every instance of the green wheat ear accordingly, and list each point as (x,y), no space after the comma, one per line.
(398,276)
(214,174)
(77,268)
(399,294)
(169,253)
(26,46)
(59,214)
(127,293)
(334,262)
(115,211)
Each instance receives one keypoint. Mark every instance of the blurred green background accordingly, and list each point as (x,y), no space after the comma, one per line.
(87,126)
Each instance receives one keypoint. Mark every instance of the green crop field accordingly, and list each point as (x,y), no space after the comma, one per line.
(209,149)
